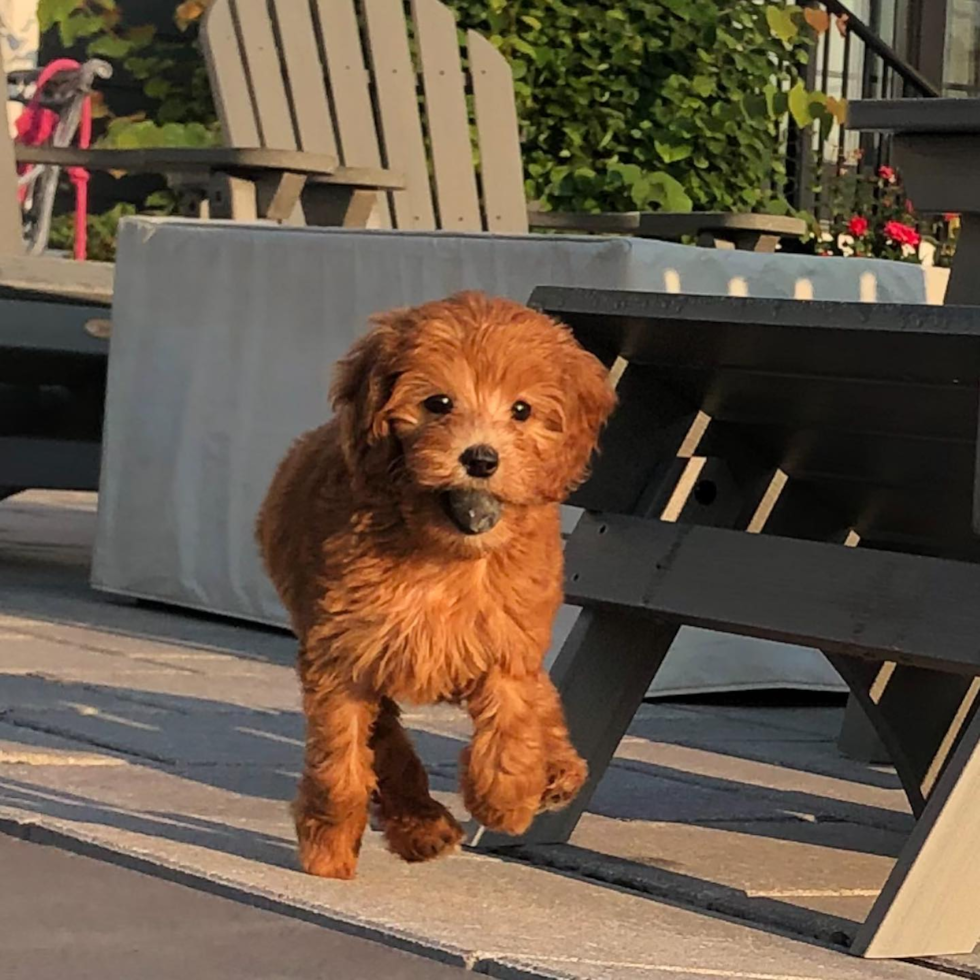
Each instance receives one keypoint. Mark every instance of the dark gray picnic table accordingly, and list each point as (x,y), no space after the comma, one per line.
(800,472)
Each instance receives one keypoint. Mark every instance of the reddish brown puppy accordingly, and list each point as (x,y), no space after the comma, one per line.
(415,542)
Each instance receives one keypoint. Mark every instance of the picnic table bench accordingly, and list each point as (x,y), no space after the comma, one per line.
(801,472)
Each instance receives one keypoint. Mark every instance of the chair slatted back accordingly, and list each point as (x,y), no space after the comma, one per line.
(11,236)
(497,130)
(398,112)
(445,99)
(350,85)
(301,58)
(364,81)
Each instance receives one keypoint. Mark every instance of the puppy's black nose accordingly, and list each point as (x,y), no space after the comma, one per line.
(480,461)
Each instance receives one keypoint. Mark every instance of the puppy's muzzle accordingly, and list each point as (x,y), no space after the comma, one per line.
(472,511)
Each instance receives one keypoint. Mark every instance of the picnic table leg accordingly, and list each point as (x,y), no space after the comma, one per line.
(919,743)
(964,284)
(858,738)
(929,903)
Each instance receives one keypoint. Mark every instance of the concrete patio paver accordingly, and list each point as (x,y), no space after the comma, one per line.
(722,839)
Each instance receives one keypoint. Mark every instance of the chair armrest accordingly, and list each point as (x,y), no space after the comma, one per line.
(319,168)
(668,225)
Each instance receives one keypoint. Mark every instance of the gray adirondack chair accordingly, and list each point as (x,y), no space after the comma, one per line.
(357,99)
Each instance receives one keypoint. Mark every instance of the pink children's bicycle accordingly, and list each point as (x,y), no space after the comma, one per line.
(58,101)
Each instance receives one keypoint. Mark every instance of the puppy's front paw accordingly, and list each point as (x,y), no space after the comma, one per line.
(502,801)
(422,834)
(566,776)
(512,820)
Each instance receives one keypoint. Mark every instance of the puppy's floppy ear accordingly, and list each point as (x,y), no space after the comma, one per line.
(362,385)
(590,399)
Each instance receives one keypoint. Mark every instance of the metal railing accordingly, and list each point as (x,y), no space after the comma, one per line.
(852,63)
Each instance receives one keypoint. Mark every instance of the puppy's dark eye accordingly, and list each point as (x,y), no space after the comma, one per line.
(521,411)
(438,404)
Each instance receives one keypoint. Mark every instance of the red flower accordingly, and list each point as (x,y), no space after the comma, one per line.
(896,231)
(951,216)
(858,226)
(887,173)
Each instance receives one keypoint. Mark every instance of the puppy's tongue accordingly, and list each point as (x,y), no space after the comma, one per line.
(472,511)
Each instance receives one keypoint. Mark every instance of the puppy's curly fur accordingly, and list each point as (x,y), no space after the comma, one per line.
(392,601)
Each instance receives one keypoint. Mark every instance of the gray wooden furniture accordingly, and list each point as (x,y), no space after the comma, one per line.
(755,441)
(937,149)
(354,96)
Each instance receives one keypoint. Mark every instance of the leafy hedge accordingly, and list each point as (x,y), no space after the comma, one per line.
(648,103)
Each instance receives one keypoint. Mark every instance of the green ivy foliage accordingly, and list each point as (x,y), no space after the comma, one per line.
(651,104)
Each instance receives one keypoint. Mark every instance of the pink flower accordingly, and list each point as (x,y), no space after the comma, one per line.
(909,207)
(896,231)
(887,173)
(858,226)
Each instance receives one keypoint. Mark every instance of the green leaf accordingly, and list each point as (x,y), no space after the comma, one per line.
(521,45)
(703,85)
(159,199)
(799,105)
(673,153)
(630,172)
(640,192)
(141,36)
(51,12)
(157,88)
(79,25)
(110,46)
(669,193)
(782,23)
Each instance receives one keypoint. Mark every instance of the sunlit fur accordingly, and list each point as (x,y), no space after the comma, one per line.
(391,602)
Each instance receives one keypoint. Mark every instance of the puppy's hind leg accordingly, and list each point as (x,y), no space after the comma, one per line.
(416,827)
(331,807)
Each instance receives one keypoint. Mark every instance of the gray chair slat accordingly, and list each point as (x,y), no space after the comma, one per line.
(11,237)
(268,89)
(449,131)
(304,73)
(501,169)
(229,82)
(398,109)
(350,88)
